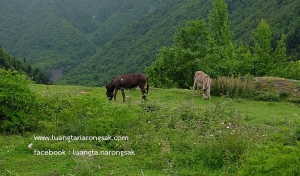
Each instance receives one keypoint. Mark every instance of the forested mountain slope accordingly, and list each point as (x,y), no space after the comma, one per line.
(92,41)
(46,32)
(283,16)
(136,44)
(62,34)
(7,62)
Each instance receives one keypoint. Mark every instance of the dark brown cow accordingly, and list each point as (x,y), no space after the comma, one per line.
(202,80)
(127,82)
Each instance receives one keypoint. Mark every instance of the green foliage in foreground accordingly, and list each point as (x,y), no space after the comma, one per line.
(172,133)
(17,103)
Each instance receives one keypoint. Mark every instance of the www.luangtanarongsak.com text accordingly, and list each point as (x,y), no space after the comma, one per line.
(80,138)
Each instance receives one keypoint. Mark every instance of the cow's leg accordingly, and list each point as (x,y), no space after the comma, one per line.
(115,95)
(123,94)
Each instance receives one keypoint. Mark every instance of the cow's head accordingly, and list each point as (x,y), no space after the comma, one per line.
(109,92)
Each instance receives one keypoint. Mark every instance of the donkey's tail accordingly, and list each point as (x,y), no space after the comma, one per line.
(147,86)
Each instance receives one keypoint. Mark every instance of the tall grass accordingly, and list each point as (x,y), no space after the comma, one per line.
(234,87)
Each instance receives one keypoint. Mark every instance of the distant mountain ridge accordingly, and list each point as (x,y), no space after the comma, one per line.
(62,34)
(92,41)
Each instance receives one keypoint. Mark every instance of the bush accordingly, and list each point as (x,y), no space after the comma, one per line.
(17,103)
(233,87)
(294,99)
(292,70)
(267,96)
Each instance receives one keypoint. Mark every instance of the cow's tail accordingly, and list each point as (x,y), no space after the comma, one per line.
(147,86)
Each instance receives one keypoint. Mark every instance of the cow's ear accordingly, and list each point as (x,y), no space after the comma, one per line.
(107,86)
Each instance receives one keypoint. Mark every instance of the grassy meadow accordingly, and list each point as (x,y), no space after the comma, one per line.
(172,133)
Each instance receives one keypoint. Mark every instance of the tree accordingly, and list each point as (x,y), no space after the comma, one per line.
(263,61)
(279,54)
(222,55)
(244,64)
(293,42)
(218,23)
(198,47)
(279,58)
(176,66)
(194,36)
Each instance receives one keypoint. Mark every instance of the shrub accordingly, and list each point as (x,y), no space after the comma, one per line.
(294,99)
(233,87)
(291,71)
(17,103)
(267,96)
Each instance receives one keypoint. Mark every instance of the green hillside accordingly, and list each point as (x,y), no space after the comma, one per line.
(135,45)
(62,34)
(92,42)
(172,133)
(282,16)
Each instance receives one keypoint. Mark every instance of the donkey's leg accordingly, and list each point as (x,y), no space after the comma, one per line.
(115,95)
(144,94)
(204,96)
(194,87)
(123,94)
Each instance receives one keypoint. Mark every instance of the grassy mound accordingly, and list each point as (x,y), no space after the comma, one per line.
(284,88)
(259,88)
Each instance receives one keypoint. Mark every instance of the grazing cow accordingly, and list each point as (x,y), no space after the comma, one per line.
(202,80)
(127,82)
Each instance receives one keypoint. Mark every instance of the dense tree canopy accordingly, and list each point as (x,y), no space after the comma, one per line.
(209,48)
(199,47)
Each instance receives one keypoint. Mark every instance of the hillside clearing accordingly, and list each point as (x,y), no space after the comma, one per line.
(172,133)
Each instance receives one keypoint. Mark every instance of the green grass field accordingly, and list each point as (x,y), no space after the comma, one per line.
(172,133)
